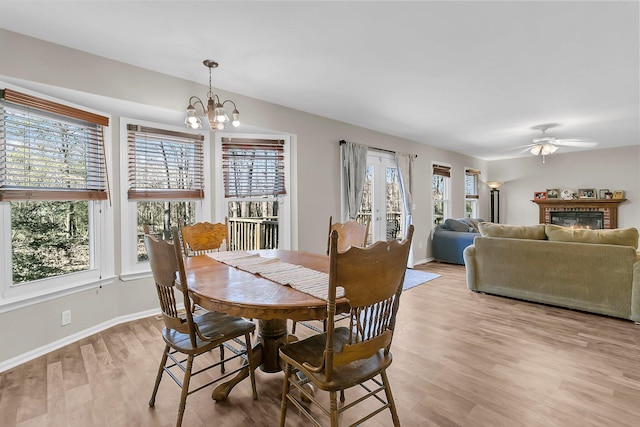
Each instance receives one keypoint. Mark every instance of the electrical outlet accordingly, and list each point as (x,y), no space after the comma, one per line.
(66,317)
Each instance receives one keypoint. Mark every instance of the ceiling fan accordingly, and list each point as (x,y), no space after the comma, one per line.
(546,144)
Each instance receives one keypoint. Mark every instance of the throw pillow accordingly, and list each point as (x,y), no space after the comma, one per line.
(456,225)
(531,232)
(616,236)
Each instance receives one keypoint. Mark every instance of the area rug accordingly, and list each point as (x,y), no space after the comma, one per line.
(413,278)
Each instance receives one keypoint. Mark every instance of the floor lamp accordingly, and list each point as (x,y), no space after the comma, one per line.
(495,200)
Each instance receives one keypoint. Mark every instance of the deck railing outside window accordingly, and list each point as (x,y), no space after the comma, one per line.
(247,234)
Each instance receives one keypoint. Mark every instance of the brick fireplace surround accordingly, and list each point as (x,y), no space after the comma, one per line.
(609,208)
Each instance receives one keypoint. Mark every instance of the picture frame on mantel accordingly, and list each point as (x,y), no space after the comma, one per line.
(618,194)
(540,195)
(602,193)
(587,193)
(553,193)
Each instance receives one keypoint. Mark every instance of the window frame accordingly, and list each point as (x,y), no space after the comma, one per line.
(101,227)
(131,268)
(446,199)
(284,204)
(473,198)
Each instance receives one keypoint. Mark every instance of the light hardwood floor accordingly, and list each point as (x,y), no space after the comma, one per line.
(460,359)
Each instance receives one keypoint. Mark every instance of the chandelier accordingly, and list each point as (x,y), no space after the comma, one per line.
(216,114)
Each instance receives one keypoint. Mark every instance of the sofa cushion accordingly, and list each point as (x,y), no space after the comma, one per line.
(531,232)
(616,236)
(456,225)
(472,223)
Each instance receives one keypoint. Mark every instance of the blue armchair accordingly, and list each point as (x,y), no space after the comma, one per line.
(451,238)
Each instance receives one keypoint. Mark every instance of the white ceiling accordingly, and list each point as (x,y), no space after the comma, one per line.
(471,77)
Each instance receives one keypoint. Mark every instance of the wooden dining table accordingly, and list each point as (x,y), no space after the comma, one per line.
(219,287)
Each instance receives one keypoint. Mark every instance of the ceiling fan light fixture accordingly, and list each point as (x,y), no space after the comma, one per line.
(536,149)
(548,149)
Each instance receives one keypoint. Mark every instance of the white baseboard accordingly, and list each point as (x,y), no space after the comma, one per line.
(40,351)
(422,261)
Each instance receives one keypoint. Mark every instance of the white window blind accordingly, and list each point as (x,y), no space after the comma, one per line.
(50,151)
(164,164)
(253,167)
(471,177)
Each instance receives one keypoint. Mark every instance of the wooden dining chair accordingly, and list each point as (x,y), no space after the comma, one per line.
(187,335)
(344,357)
(350,233)
(203,237)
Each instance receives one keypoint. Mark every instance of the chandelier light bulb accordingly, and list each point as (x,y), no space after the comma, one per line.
(236,121)
(192,120)
(220,126)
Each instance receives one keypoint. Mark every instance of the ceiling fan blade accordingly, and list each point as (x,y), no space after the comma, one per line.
(543,140)
(575,142)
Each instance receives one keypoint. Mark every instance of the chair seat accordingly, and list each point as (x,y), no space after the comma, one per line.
(311,350)
(211,324)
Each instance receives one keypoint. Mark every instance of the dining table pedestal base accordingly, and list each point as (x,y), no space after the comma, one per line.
(272,334)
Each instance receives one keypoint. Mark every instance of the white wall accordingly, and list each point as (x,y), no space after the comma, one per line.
(122,90)
(614,169)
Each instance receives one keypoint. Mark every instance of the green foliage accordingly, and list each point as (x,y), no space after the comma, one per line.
(49,239)
(161,217)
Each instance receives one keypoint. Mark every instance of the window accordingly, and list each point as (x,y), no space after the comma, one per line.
(440,193)
(471,196)
(253,179)
(53,192)
(165,183)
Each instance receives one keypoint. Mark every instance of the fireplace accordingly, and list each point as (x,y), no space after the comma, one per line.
(592,213)
(578,219)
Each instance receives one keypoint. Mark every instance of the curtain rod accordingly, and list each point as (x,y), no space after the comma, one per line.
(342,141)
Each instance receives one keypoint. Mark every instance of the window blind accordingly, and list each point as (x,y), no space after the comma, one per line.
(471,177)
(442,170)
(50,151)
(253,167)
(164,164)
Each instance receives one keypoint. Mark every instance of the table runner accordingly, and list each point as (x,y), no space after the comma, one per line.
(303,279)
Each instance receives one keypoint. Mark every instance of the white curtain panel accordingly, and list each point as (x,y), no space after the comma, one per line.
(405,166)
(354,163)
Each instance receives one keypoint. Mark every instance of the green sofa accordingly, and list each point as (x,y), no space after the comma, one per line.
(596,271)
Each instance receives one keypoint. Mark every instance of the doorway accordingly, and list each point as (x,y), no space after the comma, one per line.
(382,198)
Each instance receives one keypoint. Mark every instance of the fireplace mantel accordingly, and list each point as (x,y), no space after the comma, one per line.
(608,206)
